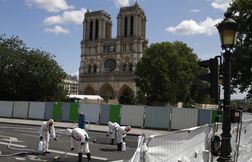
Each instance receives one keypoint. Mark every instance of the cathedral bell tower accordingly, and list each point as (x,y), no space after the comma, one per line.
(107,64)
(131,22)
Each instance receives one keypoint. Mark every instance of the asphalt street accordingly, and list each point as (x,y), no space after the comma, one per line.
(25,138)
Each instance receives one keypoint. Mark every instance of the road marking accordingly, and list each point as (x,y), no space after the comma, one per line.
(12,140)
(26,131)
(16,145)
(74,154)
(15,127)
(6,136)
(29,157)
(30,135)
(20,158)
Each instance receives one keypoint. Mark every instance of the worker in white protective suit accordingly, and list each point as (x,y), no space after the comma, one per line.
(112,129)
(121,134)
(46,130)
(79,138)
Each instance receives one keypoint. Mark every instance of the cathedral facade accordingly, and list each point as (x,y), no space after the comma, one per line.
(107,64)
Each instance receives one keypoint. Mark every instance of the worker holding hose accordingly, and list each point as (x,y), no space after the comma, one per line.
(46,130)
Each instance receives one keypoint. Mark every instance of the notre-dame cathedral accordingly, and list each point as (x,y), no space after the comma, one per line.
(107,64)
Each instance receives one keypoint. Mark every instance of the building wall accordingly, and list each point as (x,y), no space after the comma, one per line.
(71,84)
(107,64)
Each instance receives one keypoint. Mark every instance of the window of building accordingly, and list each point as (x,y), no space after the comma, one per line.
(96,29)
(124,66)
(89,68)
(110,65)
(109,49)
(131,25)
(106,49)
(95,68)
(124,47)
(91,30)
(130,47)
(95,50)
(112,49)
(130,67)
(125,26)
(89,50)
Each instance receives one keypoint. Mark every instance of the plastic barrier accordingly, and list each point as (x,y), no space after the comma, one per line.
(132,115)
(214,116)
(6,108)
(73,114)
(36,110)
(104,115)
(184,118)
(114,113)
(48,110)
(157,117)
(204,117)
(57,107)
(20,109)
(65,111)
(91,111)
(184,146)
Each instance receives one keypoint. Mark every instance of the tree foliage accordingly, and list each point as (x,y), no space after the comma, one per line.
(127,96)
(28,74)
(167,73)
(242,58)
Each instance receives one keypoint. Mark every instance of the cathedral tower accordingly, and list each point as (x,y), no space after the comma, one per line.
(107,64)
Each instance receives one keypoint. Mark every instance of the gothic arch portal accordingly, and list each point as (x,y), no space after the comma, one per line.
(89,91)
(107,91)
(122,89)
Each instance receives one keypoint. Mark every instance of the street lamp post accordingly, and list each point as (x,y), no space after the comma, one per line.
(227,31)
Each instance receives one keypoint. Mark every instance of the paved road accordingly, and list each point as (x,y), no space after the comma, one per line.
(26,137)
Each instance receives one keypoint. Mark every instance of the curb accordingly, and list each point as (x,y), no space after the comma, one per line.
(64,127)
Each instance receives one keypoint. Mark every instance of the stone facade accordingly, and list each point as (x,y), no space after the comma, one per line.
(107,64)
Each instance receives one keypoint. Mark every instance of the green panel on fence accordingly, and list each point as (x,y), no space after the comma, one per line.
(73,111)
(114,113)
(57,111)
(215,117)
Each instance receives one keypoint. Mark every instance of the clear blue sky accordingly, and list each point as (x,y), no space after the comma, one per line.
(56,25)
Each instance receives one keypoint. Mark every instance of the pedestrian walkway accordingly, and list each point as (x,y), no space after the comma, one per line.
(92,127)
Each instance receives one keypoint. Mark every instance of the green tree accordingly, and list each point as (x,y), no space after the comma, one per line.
(167,73)
(28,74)
(242,58)
(127,96)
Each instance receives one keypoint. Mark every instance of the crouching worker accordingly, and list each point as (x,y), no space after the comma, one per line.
(121,134)
(112,127)
(46,130)
(79,138)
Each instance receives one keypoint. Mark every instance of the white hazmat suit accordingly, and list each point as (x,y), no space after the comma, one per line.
(112,129)
(79,138)
(120,135)
(46,130)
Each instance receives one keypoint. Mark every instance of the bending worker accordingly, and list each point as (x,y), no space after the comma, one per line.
(112,127)
(46,130)
(121,134)
(79,138)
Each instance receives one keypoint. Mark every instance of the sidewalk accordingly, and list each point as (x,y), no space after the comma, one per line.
(93,127)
